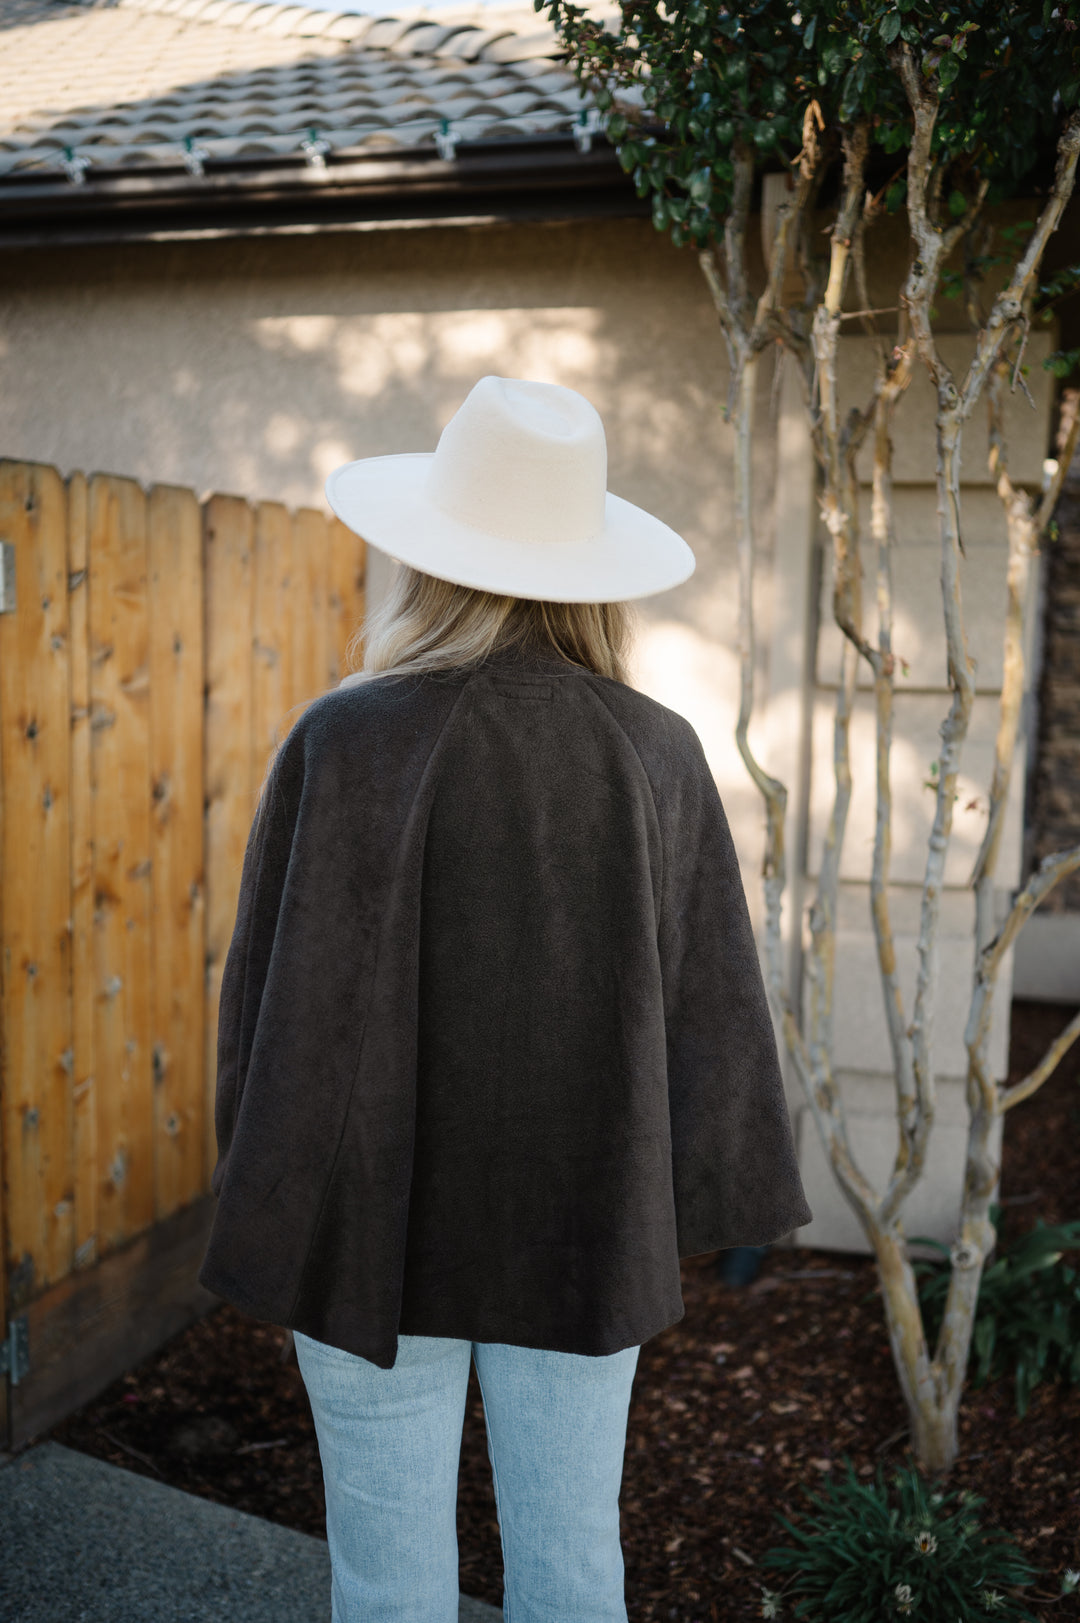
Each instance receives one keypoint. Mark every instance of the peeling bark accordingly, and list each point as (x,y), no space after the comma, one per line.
(932,1382)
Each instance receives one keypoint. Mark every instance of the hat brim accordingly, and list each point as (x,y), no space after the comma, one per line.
(382,498)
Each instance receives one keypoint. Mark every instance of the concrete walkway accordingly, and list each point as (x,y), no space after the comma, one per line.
(82,1541)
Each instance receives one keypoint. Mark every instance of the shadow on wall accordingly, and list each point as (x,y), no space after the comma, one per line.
(257,367)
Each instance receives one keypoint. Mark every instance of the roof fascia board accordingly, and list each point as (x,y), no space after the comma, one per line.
(551,210)
(378,184)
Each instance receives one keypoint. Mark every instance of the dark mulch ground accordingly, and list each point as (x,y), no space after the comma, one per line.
(757,1390)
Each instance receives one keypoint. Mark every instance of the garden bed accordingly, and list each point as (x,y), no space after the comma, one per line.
(758,1389)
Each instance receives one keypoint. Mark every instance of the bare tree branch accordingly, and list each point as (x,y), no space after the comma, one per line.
(1046,1066)
(1009,304)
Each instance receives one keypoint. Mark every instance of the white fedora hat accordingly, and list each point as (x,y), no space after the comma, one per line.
(513,500)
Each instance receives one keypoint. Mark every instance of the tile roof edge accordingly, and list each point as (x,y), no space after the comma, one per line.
(351,28)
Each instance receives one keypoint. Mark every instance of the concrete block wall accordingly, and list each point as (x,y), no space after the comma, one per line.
(922,700)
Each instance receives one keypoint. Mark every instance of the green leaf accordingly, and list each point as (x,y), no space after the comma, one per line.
(700,187)
(890,26)
(1062,362)
(957,204)
(810,31)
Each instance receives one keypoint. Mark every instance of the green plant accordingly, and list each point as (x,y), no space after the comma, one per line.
(715,80)
(823,115)
(860,1559)
(1027,1318)
(712,81)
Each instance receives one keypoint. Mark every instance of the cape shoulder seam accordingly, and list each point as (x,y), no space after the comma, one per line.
(595,686)
(367,1012)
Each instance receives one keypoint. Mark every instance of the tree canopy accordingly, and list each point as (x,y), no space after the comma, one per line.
(709,81)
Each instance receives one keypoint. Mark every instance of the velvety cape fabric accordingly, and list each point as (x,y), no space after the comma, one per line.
(494,1047)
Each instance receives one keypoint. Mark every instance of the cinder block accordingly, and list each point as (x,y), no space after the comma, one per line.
(918,619)
(860,1031)
(931,1208)
(914,439)
(916,744)
(1048,959)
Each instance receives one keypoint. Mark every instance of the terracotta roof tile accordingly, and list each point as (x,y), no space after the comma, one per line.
(136,83)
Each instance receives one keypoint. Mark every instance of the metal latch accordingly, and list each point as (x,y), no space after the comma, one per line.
(15,1351)
(7,577)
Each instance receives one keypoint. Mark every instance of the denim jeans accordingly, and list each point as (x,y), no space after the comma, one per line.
(390,1441)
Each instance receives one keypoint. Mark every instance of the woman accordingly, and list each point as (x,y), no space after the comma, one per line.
(494,1049)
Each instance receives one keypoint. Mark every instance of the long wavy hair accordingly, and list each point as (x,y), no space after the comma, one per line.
(425,624)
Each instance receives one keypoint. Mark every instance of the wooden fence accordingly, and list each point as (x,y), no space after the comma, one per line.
(157,649)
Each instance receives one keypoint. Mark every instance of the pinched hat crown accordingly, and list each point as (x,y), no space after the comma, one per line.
(524,460)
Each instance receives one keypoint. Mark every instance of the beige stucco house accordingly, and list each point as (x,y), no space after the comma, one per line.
(243,243)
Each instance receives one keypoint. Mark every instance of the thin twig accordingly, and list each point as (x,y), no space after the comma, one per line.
(1020,355)
(885,310)
(134,1452)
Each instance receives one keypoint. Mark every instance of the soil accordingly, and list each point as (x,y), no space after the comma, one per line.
(759,1389)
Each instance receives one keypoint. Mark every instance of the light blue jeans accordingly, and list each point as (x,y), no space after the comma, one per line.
(390,1441)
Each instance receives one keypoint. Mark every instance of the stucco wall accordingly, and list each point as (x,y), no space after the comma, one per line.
(255,367)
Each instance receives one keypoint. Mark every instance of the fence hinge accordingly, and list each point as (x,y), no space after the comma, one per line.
(15,1350)
(7,577)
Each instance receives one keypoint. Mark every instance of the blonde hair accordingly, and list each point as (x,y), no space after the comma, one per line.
(425,624)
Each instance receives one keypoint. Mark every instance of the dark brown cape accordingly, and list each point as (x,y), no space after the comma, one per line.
(494,1047)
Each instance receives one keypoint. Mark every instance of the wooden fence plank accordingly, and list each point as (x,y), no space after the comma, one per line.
(159,654)
(120,779)
(347,563)
(174,542)
(84,1123)
(272,669)
(35,884)
(310,611)
(229,756)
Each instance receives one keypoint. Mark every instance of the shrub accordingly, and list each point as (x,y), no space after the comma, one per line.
(1027,1318)
(859,1559)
